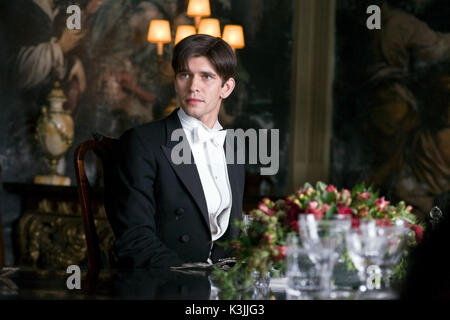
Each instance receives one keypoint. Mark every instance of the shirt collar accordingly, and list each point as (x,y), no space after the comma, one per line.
(190,123)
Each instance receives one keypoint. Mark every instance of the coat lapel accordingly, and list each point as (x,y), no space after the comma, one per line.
(187,173)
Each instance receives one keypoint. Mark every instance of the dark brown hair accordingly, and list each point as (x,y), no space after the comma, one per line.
(217,51)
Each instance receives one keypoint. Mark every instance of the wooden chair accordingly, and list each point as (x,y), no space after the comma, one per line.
(105,149)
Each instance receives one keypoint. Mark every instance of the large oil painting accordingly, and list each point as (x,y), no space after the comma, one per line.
(113,79)
(392,101)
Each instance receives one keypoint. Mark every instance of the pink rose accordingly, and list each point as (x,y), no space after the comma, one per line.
(264,208)
(364,196)
(381,204)
(313,207)
(267,201)
(345,197)
(331,188)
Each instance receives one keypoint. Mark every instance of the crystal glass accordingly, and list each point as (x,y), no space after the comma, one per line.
(324,239)
(261,286)
(366,247)
(397,238)
(312,230)
(248,219)
(308,270)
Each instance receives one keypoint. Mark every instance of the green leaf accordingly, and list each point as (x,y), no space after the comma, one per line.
(321,186)
(328,197)
(330,212)
(306,185)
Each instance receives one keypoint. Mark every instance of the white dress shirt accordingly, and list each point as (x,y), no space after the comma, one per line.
(207,149)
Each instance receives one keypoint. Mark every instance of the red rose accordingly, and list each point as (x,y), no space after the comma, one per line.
(344,210)
(385,222)
(419,233)
(363,211)
(331,188)
(294,225)
(292,210)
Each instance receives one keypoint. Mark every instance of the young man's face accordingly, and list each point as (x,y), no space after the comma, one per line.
(199,90)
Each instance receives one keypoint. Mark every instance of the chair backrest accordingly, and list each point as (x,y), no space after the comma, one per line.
(105,148)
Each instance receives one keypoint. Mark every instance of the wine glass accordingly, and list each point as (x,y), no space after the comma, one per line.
(397,238)
(325,240)
(366,247)
(308,270)
(311,229)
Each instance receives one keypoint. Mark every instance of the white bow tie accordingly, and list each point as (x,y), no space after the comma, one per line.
(201,134)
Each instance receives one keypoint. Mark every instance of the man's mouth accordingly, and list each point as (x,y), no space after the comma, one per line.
(194,100)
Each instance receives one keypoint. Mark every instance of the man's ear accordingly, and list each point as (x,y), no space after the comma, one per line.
(227,88)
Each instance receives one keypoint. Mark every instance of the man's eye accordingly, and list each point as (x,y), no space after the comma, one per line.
(207,77)
(184,75)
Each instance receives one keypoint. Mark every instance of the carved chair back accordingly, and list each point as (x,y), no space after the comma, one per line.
(105,149)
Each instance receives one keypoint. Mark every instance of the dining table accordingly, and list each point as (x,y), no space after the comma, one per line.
(30,283)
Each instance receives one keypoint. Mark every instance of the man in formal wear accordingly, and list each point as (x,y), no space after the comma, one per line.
(163,213)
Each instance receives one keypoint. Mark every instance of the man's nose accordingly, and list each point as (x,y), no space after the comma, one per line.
(195,84)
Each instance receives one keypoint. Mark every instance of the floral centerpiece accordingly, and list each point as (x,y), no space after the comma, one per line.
(262,248)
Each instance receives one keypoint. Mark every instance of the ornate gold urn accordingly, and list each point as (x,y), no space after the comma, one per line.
(54,133)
